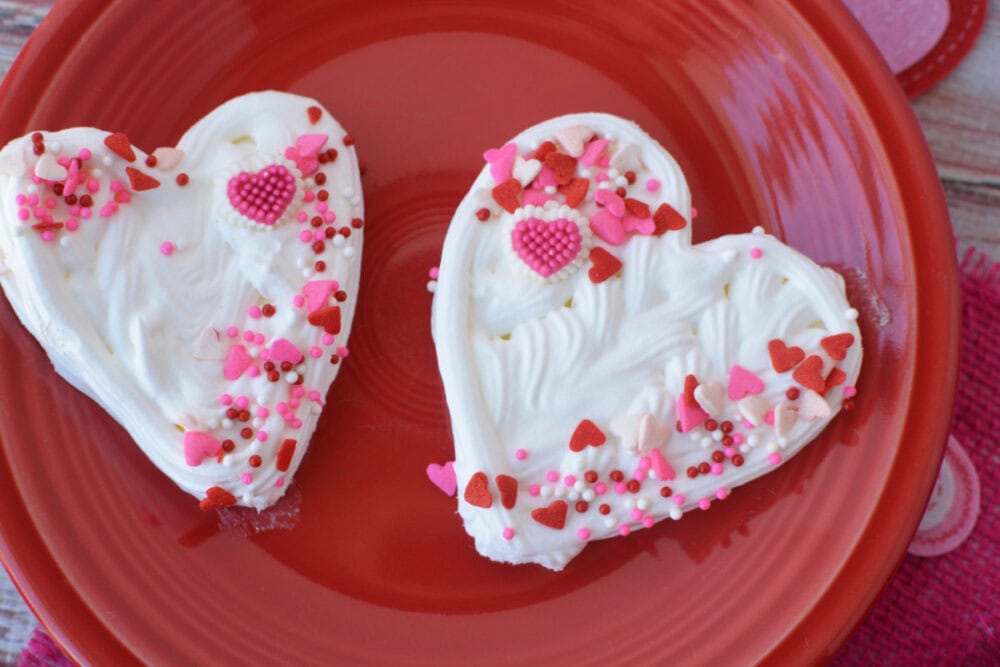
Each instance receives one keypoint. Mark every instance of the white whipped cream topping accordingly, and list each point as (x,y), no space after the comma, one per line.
(524,361)
(144,333)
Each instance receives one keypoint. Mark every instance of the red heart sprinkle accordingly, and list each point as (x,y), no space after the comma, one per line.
(543,150)
(836,346)
(506,194)
(835,378)
(508,490)
(809,374)
(140,181)
(586,435)
(477,491)
(563,165)
(120,145)
(575,191)
(637,208)
(327,317)
(784,358)
(553,516)
(215,498)
(690,384)
(285,453)
(667,219)
(315,113)
(605,265)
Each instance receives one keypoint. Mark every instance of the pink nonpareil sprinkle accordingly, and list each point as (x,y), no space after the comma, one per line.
(232,332)
(298,392)
(305,236)
(756,253)
(652,185)
(261,436)
(342,352)
(327,339)
(704,503)
(254,312)
(534,490)
(315,352)
(583,533)
(263,412)
(520,455)
(508,533)
(434,273)
(624,530)
(167,248)
(243,402)
(569,480)
(225,399)
(552,476)
(259,339)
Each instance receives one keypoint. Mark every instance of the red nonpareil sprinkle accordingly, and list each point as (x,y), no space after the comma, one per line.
(543,150)
(319,266)
(348,140)
(320,178)
(345,232)
(316,221)
(711,425)
(327,317)
(334,359)
(637,208)
(848,404)
(120,145)
(604,509)
(507,194)
(633,486)
(86,201)
(483,214)
(692,472)
(151,161)
(57,189)
(836,346)
(232,413)
(322,195)
(726,426)
(216,498)
(255,461)
(621,192)
(318,247)
(286,366)
(243,416)
(784,358)
(553,516)
(630,177)
(737,460)
(340,295)
(477,491)
(718,456)
(508,490)
(585,435)
(575,191)
(563,165)
(704,468)
(590,476)
(666,491)
(582,506)
(667,219)
(36,137)
(792,393)
(357,223)
(604,265)
(617,475)
(809,374)
(329,232)
(285,453)
(246,433)
(140,181)
(38,148)
(182,179)
(331,154)
(228,445)
(314,113)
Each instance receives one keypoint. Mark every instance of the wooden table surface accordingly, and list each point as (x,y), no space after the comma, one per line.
(960,117)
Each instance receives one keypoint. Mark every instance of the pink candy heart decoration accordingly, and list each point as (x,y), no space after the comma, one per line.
(317,293)
(262,197)
(198,445)
(501,161)
(742,382)
(546,247)
(608,227)
(443,477)
(284,350)
(237,361)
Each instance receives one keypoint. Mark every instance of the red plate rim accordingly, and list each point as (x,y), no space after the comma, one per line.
(883,542)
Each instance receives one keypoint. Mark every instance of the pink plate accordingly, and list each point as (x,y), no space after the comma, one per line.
(781,114)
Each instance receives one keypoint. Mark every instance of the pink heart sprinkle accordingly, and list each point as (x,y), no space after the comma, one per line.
(690,416)
(198,445)
(443,477)
(284,350)
(743,382)
(501,161)
(546,247)
(608,227)
(262,197)
(611,201)
(237,361)
(317,293)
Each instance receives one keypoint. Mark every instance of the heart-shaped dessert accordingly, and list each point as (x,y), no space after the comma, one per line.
(202,294)
(600,383)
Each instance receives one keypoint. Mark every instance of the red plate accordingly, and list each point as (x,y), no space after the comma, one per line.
(780,114)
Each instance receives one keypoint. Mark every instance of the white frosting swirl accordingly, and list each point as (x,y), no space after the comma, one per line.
(143,328)
(524,362)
